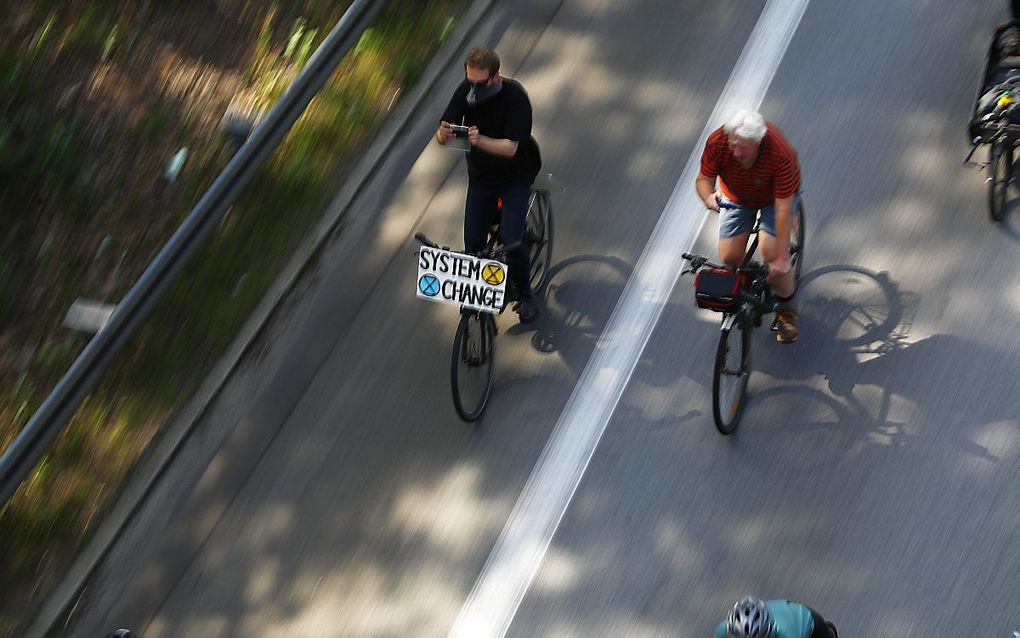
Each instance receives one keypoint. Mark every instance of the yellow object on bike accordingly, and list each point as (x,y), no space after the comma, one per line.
(1005,100)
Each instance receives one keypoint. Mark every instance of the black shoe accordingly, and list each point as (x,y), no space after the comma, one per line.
(527,308)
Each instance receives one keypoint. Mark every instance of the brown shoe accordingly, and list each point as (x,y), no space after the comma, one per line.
(786,326)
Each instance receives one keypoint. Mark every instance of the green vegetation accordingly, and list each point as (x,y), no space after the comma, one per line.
(85,210)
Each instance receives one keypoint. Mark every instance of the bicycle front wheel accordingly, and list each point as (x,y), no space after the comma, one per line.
(1001,167)
(471,370)
(797,234)
(538,235)
(730,375)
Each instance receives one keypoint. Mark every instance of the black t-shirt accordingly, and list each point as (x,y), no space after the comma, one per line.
(507,115)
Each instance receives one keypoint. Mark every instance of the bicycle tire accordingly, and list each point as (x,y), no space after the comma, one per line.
(729,384)
(539,237)
(1001,168)
(797,235)
(472,363)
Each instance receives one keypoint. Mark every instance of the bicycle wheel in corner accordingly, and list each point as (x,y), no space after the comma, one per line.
(797,232)
(731,372)
(539,236)
(471,370)
(1001,167)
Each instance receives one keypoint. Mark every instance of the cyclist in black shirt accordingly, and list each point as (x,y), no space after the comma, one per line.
(503,161)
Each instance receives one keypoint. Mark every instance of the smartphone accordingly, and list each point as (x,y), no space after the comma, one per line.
(459,131)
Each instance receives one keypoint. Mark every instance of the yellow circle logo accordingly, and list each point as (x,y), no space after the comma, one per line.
(493,274)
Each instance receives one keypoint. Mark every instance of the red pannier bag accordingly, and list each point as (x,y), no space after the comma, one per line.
(718,289)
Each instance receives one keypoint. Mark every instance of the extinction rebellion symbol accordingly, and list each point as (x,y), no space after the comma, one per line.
(428,285)
(493,274)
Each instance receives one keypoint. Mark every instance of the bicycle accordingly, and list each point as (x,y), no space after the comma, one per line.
(743,297)
(1001,133)
(473,345)
(996,120)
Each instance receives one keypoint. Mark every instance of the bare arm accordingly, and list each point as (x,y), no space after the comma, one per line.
(784,212)
(499,148)
(706,191)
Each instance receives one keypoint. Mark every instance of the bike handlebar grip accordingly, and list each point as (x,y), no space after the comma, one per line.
(687,256)
(422,239)
(512,247)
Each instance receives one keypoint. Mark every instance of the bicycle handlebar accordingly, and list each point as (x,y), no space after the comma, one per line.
(422,239)
(698,261)
(510,247)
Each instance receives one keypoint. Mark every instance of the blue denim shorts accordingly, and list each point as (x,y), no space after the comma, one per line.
(737,221)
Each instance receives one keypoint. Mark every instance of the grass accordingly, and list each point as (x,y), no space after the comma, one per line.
(57,509)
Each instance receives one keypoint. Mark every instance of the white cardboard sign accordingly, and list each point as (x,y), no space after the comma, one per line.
(454,278)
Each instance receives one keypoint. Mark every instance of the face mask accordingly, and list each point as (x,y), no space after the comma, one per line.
(479,94)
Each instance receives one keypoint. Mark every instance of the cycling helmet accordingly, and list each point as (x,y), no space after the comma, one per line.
(749,618)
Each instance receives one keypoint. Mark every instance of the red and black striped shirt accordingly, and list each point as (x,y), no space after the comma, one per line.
(774,174)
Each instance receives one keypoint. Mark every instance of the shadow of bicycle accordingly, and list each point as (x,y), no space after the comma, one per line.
(577,301)
(847,313)
(879,389)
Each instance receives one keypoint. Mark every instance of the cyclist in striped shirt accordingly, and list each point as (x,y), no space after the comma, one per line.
(756,168)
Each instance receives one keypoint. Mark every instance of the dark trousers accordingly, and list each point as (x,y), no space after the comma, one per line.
(480,212)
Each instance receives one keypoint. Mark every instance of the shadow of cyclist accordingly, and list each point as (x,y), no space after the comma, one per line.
(882,388)
(847,313)
(577,301)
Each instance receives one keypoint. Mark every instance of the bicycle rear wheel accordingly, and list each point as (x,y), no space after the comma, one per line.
(730,374)
(538,235)
(797,234)
(1001,167)
(471,370)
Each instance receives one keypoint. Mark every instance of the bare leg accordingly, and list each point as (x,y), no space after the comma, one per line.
(782,285)
(732,249)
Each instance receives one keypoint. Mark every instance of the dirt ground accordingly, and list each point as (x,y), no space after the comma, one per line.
(131,83)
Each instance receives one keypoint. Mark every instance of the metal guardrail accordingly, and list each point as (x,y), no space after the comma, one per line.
(88,369)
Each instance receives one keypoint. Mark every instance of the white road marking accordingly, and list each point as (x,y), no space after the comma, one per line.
(517,555)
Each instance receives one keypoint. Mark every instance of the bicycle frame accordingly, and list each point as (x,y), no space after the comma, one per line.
(757,295)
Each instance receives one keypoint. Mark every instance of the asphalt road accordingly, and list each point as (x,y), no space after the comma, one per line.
(333,491)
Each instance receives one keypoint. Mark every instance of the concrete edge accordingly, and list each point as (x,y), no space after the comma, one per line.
(170,440)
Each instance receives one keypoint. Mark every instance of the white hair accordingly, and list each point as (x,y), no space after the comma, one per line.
(749,125)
